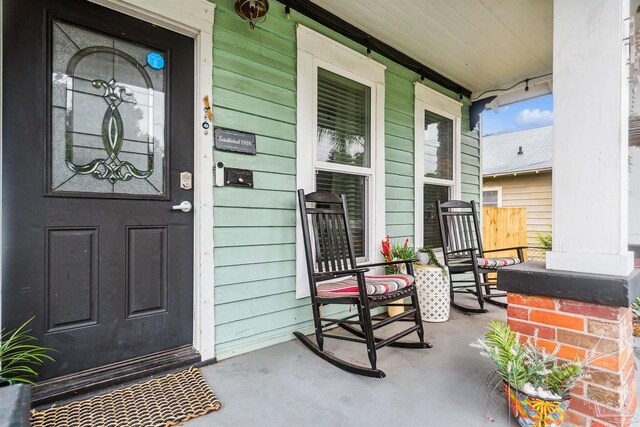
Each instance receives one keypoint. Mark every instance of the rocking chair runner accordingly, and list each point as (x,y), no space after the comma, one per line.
(335,259)
(463,254)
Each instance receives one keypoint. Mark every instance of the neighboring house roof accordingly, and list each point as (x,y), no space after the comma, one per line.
(500,151)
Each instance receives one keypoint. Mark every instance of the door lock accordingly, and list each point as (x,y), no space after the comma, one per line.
(185,206)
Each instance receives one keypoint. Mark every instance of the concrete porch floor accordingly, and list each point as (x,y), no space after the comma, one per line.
(286,384)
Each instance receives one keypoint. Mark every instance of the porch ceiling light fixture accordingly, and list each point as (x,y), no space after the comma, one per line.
(254,11)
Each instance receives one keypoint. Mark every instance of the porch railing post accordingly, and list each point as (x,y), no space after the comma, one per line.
(590,153)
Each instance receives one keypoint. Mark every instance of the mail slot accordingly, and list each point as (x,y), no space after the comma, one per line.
(238,177)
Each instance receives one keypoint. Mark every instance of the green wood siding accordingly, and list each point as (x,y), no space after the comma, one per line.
(254,90)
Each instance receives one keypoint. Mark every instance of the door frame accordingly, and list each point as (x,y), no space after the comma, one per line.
(192,18)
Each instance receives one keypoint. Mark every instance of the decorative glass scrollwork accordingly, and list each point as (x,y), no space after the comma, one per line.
(113,131)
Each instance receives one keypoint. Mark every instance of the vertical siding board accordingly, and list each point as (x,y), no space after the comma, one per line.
(254,91)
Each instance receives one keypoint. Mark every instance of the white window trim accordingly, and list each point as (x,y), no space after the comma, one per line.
(192,18)
(314,50)
(431,100)
(496,189)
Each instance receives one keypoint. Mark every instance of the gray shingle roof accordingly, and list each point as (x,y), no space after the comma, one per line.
(500,151)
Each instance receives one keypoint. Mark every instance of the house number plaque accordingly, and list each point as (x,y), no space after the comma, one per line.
(185,180)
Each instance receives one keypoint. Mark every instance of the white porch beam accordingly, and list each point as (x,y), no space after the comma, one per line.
(590,131)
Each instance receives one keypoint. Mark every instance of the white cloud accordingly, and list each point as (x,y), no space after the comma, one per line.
(536,116)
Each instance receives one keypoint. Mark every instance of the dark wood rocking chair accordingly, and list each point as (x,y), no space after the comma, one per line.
(332,257)
(464,255)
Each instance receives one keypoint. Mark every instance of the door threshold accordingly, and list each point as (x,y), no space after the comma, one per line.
(91,380)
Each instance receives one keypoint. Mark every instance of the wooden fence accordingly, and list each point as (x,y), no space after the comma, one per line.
(504,228)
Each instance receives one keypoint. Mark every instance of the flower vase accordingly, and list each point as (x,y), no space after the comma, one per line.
(533,411)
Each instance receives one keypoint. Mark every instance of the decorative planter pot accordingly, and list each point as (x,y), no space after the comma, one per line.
(532,411)
(434,295)
(15,405)
(423,258)
(395,310)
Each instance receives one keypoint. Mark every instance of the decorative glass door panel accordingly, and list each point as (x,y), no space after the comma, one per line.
(108,115)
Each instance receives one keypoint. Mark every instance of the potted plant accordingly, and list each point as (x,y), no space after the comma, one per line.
(395,252)
(536,383)
(635,309)
(18,356)
(427,256)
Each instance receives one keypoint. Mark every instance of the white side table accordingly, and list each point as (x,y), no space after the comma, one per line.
(432,284)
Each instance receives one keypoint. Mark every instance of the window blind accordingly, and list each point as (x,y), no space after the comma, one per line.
(353,186)
(432,193)
(344,120)
(438,146)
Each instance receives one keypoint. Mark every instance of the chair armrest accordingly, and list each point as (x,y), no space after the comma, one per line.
(507,249)
(401,261)
(342,272)
(459,251)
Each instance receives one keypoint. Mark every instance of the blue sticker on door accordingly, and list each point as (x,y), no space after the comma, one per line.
(155,61)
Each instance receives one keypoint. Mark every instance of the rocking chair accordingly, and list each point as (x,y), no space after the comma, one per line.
(464,255)
(331,257)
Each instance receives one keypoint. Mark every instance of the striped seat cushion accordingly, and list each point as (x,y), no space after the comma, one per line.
(376,285)
(497,262)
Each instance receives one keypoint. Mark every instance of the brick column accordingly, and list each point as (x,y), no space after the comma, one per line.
(603,332)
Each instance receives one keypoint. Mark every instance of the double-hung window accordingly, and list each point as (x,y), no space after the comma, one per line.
(340,145)
(437,163)
(343,148)
(492,197)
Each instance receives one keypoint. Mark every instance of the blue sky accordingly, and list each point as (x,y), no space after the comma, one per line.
(528,114)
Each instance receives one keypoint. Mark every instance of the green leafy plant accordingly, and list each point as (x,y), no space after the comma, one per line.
(545,241)
(18,356)
(396,252)
(526,366)
(433,259)
(635,310)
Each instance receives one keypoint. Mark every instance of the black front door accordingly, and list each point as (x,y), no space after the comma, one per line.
(97,128)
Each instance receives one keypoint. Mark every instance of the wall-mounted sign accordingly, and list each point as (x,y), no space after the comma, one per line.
(233,140)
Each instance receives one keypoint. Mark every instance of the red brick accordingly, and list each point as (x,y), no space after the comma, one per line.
(566,351)
(592,409)
(531,301)
(605,329)
(557,319)
(606,379)
(629,365)
(592,310)
(612,363)
(604,396)
(578,389)
(596,423)
(515,312)
(576,419)
(604,415)
(632,401)
(589,342)
(527,328)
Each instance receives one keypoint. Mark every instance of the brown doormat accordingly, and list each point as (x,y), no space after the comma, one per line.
(166,401)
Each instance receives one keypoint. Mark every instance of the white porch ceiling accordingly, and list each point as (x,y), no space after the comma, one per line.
(480,44)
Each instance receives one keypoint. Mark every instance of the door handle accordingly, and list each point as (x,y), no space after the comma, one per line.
(185,206)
